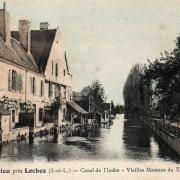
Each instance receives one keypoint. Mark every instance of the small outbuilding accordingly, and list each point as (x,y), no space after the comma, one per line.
(75,113)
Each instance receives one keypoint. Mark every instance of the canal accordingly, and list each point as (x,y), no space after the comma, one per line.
(122,139)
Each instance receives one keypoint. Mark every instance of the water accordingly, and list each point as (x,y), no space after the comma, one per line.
(123,140)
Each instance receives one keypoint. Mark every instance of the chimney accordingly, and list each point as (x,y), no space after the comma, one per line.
(25,34)
(44,25)
(4,5)
(5,25)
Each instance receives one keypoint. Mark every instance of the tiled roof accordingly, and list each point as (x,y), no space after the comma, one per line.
(41,43)
(76,107)
(17,55)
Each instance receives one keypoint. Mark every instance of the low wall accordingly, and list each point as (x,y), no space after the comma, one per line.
(14,133)
(172,141)
(47,126)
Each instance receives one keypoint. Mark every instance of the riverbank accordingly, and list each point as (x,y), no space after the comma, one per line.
(169,133)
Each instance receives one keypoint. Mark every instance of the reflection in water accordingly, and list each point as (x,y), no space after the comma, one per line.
(121,139)
(136,140)
(142,144)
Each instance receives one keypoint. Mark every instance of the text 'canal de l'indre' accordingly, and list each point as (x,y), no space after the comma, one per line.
(88,170)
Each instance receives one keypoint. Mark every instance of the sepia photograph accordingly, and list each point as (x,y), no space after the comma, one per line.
(89,89)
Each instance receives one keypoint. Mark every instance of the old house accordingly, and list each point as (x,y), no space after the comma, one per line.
(36,86)
(75,113)
(17,71)
(86,101)
(46,48)
(35,80)
(81,99)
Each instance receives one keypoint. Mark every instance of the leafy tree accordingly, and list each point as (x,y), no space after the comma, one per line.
(118,109)
(96,95)
(131,90)
(160,83)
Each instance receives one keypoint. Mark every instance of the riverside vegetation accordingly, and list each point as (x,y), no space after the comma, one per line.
(154,89)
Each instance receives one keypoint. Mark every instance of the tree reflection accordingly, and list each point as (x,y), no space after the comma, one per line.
(136,139)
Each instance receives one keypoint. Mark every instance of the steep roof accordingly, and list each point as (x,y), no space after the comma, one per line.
(76,107)
(17,55)
(65,56)
(41,43)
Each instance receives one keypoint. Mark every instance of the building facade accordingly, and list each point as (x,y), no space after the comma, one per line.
(35,80)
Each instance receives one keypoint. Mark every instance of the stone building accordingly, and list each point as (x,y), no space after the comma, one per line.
(35,80)
(46,48)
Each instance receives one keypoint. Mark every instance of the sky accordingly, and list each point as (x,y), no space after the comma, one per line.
(105,38)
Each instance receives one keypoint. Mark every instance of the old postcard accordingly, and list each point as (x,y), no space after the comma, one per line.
(89,89)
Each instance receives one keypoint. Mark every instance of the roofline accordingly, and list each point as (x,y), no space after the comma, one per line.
(56,82)
(51,47)
(19,66)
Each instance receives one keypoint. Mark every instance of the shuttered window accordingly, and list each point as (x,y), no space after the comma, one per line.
(13,116)
(20,83)
(10,80)
(64,93)
(33,85)
(57,90)
(50,89)
(14,80)
(42,88)
(56,69)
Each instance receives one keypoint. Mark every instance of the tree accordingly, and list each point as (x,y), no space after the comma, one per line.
(118,109)
(160,83)
(96,93)
(131,90)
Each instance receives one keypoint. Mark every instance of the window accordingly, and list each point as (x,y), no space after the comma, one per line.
(41,114)
(64,93)
(50,89)
(57,90)
(20,83)
(14,80)
(9,80)
(56,69)
(64,72)
(52,67)
(42,88)
(33,85)
(13,116)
